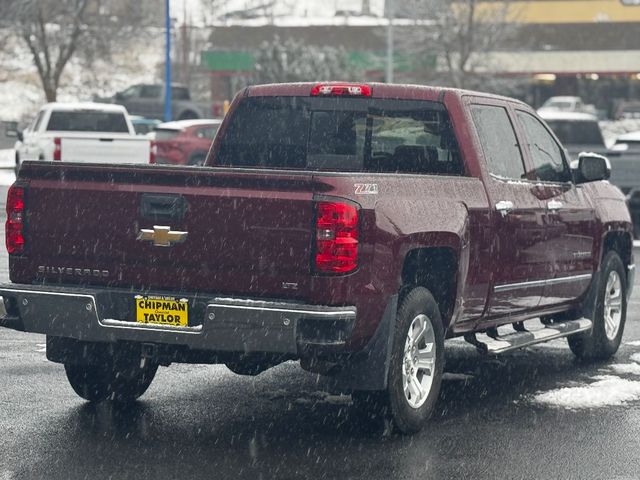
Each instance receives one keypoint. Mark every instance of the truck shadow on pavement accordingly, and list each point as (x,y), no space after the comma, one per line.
(281,424)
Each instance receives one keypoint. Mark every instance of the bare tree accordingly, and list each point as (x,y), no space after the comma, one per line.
(463,34)
(293,61)
(56,31)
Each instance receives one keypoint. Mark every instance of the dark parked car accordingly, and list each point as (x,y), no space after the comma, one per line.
(184,142)
(147,100)
(578,132)
(351,227)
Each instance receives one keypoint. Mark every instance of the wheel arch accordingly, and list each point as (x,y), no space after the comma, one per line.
(436,268)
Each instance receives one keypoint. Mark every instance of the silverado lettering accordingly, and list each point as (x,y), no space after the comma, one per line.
(486,231)
(78,272)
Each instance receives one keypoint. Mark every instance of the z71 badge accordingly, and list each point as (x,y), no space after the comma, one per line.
(366,188)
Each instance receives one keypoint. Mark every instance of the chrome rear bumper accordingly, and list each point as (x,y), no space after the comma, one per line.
(216,323)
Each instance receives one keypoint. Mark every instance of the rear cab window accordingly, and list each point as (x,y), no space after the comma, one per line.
(164,134)
(87,121)
(341,134)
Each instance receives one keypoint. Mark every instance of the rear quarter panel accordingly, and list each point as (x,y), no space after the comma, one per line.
(406,213)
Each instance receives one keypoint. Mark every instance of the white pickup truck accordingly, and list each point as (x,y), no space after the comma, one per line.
(84,133)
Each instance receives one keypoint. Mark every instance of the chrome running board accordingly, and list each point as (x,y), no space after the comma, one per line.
(504,343)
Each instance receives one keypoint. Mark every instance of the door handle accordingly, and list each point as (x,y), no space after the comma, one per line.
(504,207)
(554,205)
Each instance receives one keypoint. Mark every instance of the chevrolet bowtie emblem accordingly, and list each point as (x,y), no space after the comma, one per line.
(162,236)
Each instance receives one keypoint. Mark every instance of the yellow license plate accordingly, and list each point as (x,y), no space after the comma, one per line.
(162,311)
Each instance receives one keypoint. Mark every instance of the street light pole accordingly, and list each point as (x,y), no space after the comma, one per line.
(167,67)
(390,45)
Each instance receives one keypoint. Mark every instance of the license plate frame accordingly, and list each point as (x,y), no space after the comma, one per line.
(160,310)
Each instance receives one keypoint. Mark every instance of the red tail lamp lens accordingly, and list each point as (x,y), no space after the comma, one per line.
(57,149)
(14,227)
(336,237)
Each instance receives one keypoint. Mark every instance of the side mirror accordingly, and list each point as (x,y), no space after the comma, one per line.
(118,97)
(590,167)
(19,136)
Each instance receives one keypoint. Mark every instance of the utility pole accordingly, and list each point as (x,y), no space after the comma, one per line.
(390,47)
(167,67)
(366,7)
(185,67)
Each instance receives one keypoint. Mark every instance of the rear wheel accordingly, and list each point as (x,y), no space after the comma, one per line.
(603,340)
(121,382)
(417,362)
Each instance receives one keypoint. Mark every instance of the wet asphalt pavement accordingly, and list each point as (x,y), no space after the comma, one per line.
(204,422)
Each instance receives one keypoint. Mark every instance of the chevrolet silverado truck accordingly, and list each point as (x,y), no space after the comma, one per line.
(82,132)
(352,227)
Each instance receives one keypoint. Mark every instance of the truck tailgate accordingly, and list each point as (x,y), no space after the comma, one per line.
(105,149)
(246,233)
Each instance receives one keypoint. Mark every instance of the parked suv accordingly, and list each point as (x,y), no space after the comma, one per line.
(184,142)
(147,100)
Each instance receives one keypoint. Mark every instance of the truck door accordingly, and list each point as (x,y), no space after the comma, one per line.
(519,265)
(569,216)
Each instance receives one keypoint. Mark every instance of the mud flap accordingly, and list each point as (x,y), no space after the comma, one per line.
(588,309)
(368,369)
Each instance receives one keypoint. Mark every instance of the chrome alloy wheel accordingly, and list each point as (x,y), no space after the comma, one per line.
(612,305)
(419,361)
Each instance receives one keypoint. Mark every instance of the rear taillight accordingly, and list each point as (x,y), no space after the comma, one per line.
(57,149)
(14,228)
(153,151)
(341,90)
(336,237)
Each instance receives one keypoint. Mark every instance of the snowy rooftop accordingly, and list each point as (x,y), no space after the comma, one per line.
(281,13)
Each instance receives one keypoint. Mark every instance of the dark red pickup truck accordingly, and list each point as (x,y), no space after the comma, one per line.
(352,227)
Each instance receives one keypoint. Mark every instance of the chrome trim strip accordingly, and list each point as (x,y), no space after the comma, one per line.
(340,313)
(507,287)
(112,323)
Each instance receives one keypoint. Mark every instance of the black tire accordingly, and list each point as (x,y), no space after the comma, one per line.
(91,382)
(123,384)
(129,381)
(598,344)
(197,159)
(408,418)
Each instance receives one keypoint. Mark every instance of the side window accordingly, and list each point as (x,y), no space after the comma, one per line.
(37,122)
(150,91)
(499,142)
(548,161)
(180,93)
(207,132)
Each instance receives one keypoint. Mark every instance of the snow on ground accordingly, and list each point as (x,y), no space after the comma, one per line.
(7,158)
(626,368)
(603,391)
(608,392)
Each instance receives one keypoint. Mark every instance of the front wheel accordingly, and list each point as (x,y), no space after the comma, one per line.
(603,340)
(417,362)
